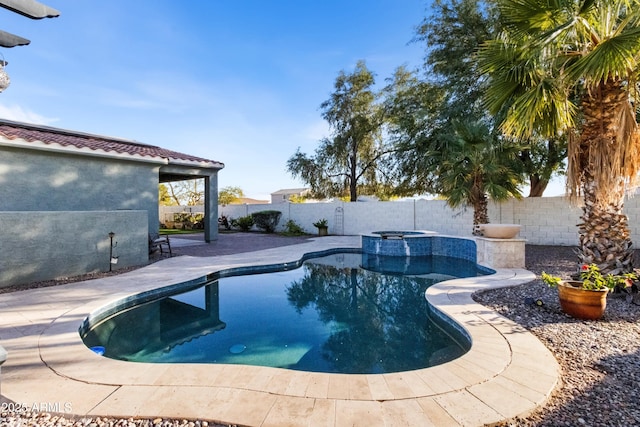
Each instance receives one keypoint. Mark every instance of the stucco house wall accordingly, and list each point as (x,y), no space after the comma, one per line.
(33,180)
(282,196)
(38,246)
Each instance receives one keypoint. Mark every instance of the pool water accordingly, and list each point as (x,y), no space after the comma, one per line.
(329,315)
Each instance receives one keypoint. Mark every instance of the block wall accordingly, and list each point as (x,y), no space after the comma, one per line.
(544,220)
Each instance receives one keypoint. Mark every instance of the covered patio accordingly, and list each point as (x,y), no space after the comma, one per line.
(64,192)
(180,172)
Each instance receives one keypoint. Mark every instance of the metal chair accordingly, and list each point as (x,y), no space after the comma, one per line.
(159,241)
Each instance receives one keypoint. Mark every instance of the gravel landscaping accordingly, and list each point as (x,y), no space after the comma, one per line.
(600,360)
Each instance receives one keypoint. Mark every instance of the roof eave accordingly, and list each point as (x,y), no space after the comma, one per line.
(85,151)
(195,163)
(70,149)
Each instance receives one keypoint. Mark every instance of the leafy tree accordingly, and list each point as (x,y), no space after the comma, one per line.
(186,193)
(412,107)
(542,159)
(551,54)
(295,198)
(453,34)
(349,162)
(459,159)
(164,198)
(229,195)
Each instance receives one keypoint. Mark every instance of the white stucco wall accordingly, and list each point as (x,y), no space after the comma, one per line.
(544,220)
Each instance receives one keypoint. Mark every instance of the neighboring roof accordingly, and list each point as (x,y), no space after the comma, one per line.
(250,201)
(27,135)
(291,191)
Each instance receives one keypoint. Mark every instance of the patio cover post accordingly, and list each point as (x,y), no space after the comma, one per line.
(211,207)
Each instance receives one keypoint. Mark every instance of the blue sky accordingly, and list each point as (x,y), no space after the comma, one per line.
(235,81)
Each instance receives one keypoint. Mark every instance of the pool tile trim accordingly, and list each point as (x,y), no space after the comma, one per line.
(506,373)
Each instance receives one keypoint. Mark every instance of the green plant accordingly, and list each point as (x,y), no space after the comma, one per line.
(244,223)
(291,228)
(592,279)
(182,217)
(267,220)
(321,223)
(551,281)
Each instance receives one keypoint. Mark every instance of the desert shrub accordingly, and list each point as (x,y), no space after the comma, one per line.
(182,217)
(244,223)
(266,220)
(291,228)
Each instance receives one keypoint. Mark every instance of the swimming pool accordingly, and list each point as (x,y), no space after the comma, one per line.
(327,315)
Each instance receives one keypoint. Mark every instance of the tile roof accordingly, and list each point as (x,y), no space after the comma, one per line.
(31,133)
(291,191)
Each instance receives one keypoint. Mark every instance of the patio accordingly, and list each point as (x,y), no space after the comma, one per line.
(507,373)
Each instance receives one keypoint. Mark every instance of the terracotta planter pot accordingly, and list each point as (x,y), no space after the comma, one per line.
(581,303)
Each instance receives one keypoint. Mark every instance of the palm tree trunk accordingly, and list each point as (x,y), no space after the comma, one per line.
(599,166)
(480,210)
(604,233)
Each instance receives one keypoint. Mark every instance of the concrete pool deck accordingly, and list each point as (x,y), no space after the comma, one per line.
(507,373)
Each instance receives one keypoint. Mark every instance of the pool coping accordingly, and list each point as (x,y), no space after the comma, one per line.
(507,372)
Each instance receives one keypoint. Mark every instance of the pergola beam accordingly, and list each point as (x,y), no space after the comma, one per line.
(30,8)
(11,40)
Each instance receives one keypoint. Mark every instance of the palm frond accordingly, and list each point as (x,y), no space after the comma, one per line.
(541,110)
(613,58)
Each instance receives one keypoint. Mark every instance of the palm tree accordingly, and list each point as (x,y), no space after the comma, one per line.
(474,167)
(569,67)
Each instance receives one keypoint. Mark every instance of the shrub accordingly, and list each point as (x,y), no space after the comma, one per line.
(291,228)
(182,217)
(244,223)
(267,220)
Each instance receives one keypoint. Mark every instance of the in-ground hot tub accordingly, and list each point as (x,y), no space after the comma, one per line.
(410,252)
(418,243)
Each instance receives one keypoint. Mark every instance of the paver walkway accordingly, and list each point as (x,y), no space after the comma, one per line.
(507,372)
